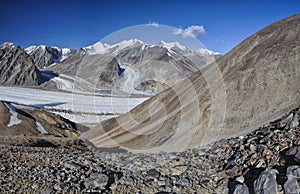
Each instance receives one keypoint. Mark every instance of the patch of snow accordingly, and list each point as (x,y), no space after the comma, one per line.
(129,79)
(40,128)
(207,52)
(30,49)
(85,118)
(103,48)
(97,48)
(18,106)
(13,118)
(55,47)
(63,84)
(73,84)
(65,53)
(127,43)
(172,45)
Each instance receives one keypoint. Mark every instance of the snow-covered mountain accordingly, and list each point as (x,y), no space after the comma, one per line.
(146,67)
(173,46)
(155,67)
(104,48)
(44,56)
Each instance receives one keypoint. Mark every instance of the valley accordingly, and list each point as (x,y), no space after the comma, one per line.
(128,116)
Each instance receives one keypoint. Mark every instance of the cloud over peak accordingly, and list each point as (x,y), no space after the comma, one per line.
(190,32)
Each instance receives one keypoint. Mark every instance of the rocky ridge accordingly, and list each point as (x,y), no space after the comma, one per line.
(17,67)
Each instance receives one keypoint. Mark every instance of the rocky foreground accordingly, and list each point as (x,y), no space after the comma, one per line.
(264,161)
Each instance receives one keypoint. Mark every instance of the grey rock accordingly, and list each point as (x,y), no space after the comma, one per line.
(266,182)
(241,189)
(153,173)
(291,186)
(294,171)
(96,180)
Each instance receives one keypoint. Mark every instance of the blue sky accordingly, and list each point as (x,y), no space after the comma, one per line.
(77,24)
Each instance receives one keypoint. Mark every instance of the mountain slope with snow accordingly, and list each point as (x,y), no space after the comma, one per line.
(44,56)
(159,66)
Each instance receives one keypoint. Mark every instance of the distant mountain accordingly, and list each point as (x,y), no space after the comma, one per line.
(17,67)
(134,65)
(261,79)
(44,56)
(141,67)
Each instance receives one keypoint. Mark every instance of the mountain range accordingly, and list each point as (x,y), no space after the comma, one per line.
(130,66)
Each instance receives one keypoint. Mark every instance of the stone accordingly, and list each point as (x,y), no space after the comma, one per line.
(96,180)
(241,189)
(295,151)
(178,170)
(293,170)
(266,182)
(291,186)
(153,173)
(294,123)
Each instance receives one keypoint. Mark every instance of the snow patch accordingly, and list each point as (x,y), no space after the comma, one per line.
(103,48)
(207,52)
(172,45)
(98,48)
(40,128)
(30,49)
(13,118)
(65,53)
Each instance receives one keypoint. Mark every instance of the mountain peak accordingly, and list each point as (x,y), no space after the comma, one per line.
(102,48)
(7,44)
(172,45)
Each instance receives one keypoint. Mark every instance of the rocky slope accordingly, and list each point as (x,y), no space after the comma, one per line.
(266,160)
(17,67)
(102,71)
(231,98)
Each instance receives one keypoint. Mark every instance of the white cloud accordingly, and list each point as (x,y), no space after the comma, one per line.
(154,24)
(190,32)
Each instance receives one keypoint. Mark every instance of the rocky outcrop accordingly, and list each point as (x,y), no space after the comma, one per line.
(102,71)
(22,120)
(230,99)
(17,67)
